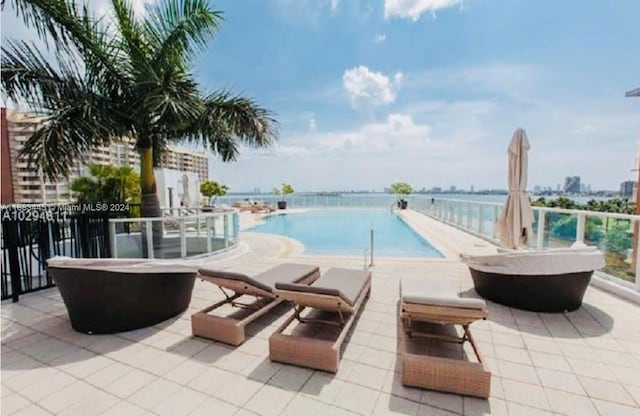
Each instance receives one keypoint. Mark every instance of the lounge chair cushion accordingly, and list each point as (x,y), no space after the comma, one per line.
(433,292)
(347,284)
(286,272)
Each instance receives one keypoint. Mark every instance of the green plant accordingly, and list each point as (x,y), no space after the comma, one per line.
(401,188)
(618,240)
(213,188)
(285,189)
(107,184)
(124,76)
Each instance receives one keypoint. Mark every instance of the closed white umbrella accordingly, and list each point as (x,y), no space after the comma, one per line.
(514,226)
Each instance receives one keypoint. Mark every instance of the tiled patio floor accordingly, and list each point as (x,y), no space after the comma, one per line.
(581,363)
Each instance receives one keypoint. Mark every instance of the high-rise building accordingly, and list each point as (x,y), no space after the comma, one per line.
(627,188)
(187,160)
(24,185)
(572,184)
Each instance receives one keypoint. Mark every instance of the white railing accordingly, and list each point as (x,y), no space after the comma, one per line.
(613,233)
(177,236)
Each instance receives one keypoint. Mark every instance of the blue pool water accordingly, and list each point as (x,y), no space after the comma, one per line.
(346,232)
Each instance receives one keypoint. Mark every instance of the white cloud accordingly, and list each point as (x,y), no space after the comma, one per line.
(370,89)
(313,125)
(333,4)
(380,38)
(413,9)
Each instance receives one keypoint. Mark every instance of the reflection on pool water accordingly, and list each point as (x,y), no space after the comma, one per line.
(347,232)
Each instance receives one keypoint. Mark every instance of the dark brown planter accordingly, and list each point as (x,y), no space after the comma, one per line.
(282,204)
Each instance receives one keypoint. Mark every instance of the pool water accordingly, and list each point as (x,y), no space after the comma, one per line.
(347,232)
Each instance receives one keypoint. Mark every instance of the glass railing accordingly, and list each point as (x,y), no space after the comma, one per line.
(173,236)
(612,233)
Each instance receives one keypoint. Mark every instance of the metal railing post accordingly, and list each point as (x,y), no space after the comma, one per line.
(148,224)
(183,239)
(481,219)
(637,270)
(371,248)
(580,227)
(112,239)
(225,223)
(494,221)
(208,233)
(541,226)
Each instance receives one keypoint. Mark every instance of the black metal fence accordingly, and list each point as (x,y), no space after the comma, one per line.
(29,239)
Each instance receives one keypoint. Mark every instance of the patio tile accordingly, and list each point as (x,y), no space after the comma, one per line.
(570,404)
(356,398)
(180,403)
(592,369)
(212,406)
(625,375)
(474,406)
(527,394)
(123,408)
(323,387)
(211,380)
(67,397)
(49,384)
(290,377)
(128,384)
(560,380)
(394,405)
(446,401)
(150,395)
(518,372)
(107,375)
(384,343)
(606,390)
(550,361)
(303,405)
(613,409)
(91,405)
(520,410)
(426,410)
(238,390)
(32,410)
(546,345)
(516,355)
(12,403)
(269,401)
(393,385)
(367,376)
(377,358)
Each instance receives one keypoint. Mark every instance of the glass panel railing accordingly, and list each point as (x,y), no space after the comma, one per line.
(615,238)
(560,229)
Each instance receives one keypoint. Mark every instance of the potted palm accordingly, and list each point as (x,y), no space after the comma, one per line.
(402,189)
(211,189)
(284,190)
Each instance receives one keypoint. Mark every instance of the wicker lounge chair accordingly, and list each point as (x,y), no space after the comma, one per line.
(230,328)
(334,301)
(429,310)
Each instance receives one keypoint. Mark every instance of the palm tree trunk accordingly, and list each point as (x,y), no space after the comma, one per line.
(149,203)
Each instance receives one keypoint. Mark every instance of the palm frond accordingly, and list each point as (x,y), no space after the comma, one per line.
(240,118)
(177,28)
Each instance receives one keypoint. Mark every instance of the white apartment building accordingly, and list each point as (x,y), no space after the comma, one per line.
(29,186)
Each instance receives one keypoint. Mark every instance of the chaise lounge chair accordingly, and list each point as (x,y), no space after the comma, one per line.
(230,329)
(429,310)
(335,299)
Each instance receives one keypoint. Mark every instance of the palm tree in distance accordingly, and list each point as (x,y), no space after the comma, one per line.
(125,76)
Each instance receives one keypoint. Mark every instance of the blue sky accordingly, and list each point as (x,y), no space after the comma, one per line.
(369,92)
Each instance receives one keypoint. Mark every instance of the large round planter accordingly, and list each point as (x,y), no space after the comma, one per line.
(402,204)
(282,204)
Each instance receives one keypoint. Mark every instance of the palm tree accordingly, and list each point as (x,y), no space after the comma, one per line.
(107,184)
(129,76)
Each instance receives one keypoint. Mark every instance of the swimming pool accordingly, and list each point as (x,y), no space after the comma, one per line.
(346,232)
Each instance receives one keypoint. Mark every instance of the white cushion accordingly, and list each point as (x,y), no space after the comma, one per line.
(433,292)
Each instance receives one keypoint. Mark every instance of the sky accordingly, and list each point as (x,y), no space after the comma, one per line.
(429,92)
